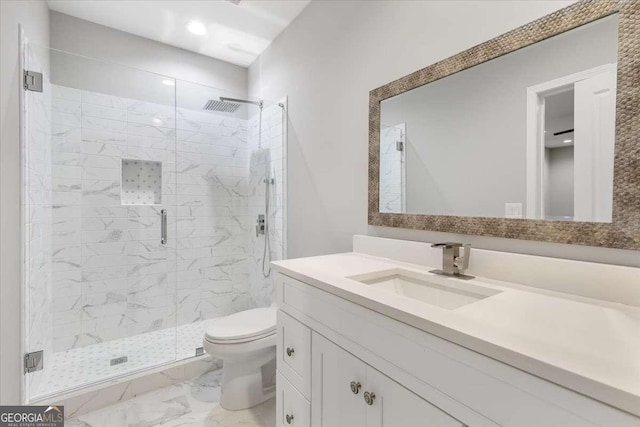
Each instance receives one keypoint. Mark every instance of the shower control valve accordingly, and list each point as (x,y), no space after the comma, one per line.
(260,225)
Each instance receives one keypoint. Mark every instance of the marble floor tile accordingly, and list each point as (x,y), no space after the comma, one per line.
(188,404)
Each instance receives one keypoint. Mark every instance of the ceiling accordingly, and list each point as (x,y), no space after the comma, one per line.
(236,33)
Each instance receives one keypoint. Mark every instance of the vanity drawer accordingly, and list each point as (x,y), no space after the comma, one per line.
(292,409)
(294,352)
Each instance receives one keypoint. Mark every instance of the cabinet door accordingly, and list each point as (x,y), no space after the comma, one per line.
(294,352)
(396,406)
(292,409)
(333,404)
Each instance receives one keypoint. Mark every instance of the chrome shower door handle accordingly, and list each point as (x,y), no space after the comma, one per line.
(163,227)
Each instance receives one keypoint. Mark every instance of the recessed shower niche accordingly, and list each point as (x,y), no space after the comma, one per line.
(141,182)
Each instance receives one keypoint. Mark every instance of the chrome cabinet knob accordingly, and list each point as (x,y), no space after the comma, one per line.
(355,387)
(290,351)
(289,419)
(369,397)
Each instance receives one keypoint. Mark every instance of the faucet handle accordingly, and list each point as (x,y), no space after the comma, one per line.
(462,261)
(447,245)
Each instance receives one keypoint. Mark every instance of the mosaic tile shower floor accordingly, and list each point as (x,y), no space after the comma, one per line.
(188,404)
(68,370)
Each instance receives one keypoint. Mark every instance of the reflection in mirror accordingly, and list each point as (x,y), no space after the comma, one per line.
(527,135)
(392,166)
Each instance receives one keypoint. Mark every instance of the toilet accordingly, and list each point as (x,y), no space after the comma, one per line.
(246,343)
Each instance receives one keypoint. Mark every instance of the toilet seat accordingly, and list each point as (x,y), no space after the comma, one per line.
(241,350)
(238,341)
(245,326)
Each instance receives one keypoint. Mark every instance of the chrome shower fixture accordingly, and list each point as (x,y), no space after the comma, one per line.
(219,106)
(241,101)
(229,105)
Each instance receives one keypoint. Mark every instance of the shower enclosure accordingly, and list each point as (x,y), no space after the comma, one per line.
(141,195)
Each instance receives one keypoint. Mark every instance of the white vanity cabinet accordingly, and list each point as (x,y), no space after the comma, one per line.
(348,392)
(332,353)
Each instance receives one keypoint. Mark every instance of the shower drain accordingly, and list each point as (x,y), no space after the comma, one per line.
(119,360)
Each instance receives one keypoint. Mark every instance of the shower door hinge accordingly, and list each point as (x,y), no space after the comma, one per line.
(33,361)
(33,81)
(399,145)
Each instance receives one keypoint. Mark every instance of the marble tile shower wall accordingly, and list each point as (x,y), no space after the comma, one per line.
(37,220)
(267,159)
(111,275)
(112,278)
(212,155)
(392,192)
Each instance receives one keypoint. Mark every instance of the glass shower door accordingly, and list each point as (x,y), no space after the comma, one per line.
(99,221)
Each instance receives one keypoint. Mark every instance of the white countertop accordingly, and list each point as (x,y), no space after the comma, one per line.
(585,345)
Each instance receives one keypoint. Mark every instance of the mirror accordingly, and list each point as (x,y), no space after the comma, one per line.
(529,134)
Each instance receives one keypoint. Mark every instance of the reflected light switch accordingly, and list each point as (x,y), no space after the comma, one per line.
(513,210)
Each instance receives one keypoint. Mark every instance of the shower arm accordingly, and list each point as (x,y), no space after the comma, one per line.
(242,101)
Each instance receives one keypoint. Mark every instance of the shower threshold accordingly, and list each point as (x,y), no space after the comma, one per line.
(75,369)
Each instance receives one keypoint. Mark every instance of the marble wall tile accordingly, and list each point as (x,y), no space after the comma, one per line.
(103,112)
(103,136)
(101,124)
(89,97)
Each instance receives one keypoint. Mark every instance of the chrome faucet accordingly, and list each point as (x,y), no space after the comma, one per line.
(454,264)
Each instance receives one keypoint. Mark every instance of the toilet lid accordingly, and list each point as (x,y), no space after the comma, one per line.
(254,323)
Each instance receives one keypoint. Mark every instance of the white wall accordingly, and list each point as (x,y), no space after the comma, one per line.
(34,16)
(85,38)
(327,61)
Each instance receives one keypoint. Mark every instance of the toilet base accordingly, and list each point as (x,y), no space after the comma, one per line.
(242,381)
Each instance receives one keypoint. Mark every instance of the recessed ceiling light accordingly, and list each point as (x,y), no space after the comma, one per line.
(566,141)
(168,82)
(197,28)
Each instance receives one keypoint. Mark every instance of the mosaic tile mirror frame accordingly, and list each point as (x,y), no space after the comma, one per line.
(624,229)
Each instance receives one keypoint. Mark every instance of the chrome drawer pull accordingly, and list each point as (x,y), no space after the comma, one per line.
(290,351)
(369,397)
(289,419)
(355,387)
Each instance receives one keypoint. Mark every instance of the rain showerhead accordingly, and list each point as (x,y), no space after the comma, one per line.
(221,106)
(228,105)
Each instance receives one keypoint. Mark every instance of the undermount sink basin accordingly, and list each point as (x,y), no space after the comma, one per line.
(440,291)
